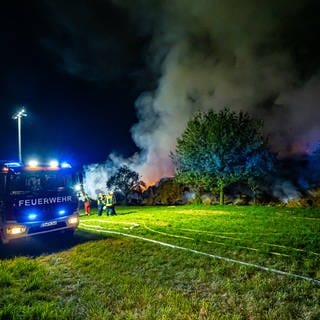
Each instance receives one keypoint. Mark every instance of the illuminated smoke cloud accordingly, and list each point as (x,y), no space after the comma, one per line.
(255,56)
(222,54)
(300,120)
(95,177)
(285,191)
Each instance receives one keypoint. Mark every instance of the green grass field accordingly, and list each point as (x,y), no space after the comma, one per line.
(184,262)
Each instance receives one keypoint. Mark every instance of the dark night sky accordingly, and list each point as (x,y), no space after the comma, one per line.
(103,79)
(69,116)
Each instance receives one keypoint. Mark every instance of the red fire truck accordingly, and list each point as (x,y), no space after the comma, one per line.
(37,199)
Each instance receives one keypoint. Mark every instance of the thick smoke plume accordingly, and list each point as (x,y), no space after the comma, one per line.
(256,56)
(226,53)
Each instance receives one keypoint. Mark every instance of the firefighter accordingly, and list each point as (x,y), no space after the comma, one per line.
(100,203)
(110,202)
(86,201)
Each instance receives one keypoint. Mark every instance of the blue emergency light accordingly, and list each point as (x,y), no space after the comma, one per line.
(32,216)
(13,164)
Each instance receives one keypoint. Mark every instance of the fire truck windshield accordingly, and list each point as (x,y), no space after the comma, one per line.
(36,181)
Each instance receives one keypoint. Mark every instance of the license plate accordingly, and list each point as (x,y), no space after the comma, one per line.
(48,224)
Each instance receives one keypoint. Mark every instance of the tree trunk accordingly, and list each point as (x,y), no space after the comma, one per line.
(253,188)
(254,198)
(221,198)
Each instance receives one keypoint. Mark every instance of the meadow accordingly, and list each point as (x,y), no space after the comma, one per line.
(177,262)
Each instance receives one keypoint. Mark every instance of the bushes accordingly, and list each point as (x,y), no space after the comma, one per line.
(311,199)
(166,192)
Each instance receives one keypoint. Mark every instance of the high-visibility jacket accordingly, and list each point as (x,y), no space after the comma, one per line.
(110,200)
(100,199)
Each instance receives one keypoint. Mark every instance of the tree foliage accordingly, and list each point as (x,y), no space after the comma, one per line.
(125,181)
(220,148)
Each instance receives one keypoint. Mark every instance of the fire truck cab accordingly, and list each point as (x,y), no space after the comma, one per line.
(37,199)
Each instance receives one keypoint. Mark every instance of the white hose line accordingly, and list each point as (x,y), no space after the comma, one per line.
(209,241)
(100,229)
(109,221)
(264,243)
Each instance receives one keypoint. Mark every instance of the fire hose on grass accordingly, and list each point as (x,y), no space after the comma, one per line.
(276,271)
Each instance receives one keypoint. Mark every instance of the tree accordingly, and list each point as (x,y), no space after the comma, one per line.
(125,181)
(220,148)
(264,168)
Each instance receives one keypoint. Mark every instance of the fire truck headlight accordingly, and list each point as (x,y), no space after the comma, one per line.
(16,229)
(73,220)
